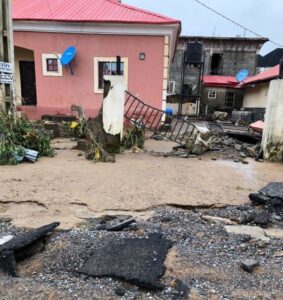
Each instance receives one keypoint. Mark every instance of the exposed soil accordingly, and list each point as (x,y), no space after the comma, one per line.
(69,188)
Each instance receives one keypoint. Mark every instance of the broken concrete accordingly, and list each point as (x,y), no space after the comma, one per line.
(273,190)
(136,260)
(255,232)
(5,239)
(201,141)
(249,265)
(258,199)
(22,246)
(262,219)
(274,233)
(218,220)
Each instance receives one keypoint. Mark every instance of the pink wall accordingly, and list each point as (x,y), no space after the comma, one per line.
(55,95)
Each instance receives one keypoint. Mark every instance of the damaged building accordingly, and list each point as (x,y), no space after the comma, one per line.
(222,56)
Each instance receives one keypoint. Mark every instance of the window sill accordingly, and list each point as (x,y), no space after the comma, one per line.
(98,91)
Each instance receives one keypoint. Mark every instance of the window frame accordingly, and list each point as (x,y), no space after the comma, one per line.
(97,60)
(209,94)
(172,87)
(45,71)
(226,98)
(52,64)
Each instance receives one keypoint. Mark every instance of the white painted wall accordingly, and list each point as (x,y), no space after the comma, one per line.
(272,141)
(113,105)
(256,97)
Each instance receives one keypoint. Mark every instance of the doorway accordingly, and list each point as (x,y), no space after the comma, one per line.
(28,85)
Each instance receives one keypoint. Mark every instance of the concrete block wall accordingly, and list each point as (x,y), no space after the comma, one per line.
(238,53)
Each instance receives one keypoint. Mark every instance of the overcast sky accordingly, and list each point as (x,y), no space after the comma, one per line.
(262,16)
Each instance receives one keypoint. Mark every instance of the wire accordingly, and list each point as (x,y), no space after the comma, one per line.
(236,23)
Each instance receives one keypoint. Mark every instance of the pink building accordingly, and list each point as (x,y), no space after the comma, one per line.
(100,30)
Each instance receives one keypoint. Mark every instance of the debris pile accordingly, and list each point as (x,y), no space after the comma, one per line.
(22,246)
(134,138)
(211,138)
(63,129)
(271,199)
(18,137)
(89,260)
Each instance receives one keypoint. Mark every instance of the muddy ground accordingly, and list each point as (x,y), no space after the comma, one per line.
(166,195)
(69,189)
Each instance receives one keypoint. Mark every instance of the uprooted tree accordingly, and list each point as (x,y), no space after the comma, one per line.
(100,146)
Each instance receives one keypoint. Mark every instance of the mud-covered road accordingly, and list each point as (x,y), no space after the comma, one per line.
(69,188)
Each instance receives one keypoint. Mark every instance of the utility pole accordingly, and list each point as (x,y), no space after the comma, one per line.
(7,65)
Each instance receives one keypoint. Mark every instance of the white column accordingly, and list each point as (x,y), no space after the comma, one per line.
(272,140)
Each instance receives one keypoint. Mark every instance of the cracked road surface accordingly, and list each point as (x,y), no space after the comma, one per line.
(67,188)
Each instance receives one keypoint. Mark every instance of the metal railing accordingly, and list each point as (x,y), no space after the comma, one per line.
(158,121)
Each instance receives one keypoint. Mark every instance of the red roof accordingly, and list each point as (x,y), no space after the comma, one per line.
(219,81)
(269,74)
(107,11)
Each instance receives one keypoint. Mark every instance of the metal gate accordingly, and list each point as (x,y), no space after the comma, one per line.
(158,121)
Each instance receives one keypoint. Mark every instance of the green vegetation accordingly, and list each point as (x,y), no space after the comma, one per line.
(133,138)
(17,134)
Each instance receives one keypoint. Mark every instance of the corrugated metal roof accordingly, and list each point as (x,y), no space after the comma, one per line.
(220,81)
(230,81)
(269,74)
(107,11)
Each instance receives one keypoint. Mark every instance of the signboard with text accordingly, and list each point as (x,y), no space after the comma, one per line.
(6,67)
(6,73)
(6,78)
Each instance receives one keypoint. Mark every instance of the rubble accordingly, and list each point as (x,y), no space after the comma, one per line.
(219,115)
(121,225)
(274,233)
(258,199)
(201,141)
(194,267)
(136,260)
(262,219)
(22,246)
(222,144)
(218,220)
(273,190)
(255,232)
(271,197)
(5,239)
(249,265)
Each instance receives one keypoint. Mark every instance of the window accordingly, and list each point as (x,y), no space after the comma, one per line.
(171,87)
(211,94)
(216,64)
(230,99)
(107,66)
(51,65)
